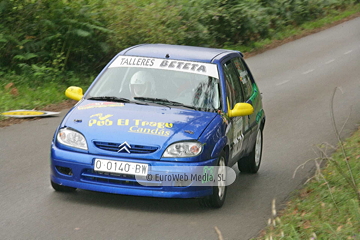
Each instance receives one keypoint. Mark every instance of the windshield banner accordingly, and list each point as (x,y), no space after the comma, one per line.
(207,69)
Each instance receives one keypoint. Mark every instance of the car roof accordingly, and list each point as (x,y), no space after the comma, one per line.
(178,52)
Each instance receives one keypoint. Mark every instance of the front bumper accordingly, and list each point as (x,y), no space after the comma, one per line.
(75,169)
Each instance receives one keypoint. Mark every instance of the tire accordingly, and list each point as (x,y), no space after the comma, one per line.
(61,188)
(217,199)
(251,163)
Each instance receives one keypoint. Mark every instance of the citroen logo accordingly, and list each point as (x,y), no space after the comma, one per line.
(124,146)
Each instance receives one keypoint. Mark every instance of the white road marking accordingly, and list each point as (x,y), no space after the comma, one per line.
(281,83)
(309,71)
(348,52)
(330,61)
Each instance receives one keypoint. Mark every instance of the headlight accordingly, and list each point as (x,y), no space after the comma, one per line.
(183,149)
(71,138)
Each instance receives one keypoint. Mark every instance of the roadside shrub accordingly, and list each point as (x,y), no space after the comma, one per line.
(172,22)
(45,39)
(236,22)
(52,34)
(296,12)
(195,14)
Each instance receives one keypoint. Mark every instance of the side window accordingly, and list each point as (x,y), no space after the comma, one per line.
(244,77)
(233,87)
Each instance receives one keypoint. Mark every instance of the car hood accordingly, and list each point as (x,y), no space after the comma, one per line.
(136,124)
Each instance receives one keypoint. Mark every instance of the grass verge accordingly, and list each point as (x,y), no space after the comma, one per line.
(15,93)
(328,207)
(24,97)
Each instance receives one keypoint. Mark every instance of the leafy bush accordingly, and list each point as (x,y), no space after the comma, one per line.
(296,12)
(236,22)
(241,22)
(159,21)
(48,40)
(52,34)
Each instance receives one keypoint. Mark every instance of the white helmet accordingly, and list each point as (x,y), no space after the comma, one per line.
(142,84)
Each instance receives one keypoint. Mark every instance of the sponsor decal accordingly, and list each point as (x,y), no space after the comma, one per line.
(224,116)
(207,69)
(183,65)
(101,120)
(136,61)
(100,105)
(259,115)
(133,125)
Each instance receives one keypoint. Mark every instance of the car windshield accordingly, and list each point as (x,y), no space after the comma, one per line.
(159,86)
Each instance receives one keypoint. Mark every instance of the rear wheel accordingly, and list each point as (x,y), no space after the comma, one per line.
(217,199)
(61,188)
(251,163)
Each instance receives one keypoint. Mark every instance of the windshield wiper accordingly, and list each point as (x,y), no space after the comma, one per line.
(110,98)
(114,99)
(164,101)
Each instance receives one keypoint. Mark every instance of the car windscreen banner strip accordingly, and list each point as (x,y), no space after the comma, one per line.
(207,69)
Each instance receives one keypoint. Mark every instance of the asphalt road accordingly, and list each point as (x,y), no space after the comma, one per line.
(297,81)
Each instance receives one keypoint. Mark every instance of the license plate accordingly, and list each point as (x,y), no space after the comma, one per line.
(111,166)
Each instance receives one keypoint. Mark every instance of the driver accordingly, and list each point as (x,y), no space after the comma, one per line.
(142,84)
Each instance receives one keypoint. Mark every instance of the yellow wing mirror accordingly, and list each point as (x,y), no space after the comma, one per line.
(241,109)
(75,93)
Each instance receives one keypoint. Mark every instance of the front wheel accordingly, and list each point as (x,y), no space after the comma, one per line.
(217,199)
(251,163)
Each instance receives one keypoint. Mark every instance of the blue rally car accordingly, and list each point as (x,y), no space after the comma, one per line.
(161,106)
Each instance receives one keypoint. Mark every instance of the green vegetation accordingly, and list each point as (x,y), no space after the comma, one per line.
(298,30)
(57,36)
(328,207)
(48,45)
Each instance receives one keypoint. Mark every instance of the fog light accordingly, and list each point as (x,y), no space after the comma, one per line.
(64,170)
(179,183)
